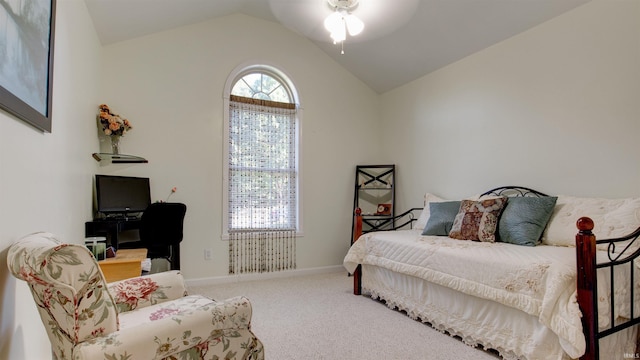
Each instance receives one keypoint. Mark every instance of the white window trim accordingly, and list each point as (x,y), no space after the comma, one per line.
(234,76)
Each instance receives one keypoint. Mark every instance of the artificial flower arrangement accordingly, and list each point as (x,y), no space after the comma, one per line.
(173,190)
(112,124)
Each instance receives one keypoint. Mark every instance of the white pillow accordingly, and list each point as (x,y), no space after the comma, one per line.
(424,215)
(611,217)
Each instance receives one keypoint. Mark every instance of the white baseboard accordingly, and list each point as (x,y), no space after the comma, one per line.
(227,279)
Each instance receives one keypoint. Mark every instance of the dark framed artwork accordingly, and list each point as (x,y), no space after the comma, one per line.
(26,60)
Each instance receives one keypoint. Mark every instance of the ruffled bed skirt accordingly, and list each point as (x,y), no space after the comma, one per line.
(479,322)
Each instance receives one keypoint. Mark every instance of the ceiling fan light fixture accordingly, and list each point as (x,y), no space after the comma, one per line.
(306,17)
(339,34)
(333,22)
(341,20)
(354,25)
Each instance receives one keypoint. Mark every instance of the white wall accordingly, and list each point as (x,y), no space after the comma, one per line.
(170,85)
(45,178)
(554,108)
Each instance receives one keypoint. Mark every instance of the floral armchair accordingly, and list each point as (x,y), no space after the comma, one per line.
(149,317)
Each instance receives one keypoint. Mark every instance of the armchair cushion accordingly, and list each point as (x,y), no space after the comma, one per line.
(193,322)
(139,292)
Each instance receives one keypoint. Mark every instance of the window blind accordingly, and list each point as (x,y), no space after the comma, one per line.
(262,168)
(262,186)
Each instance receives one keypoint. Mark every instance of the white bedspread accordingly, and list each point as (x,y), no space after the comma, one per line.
(541,280)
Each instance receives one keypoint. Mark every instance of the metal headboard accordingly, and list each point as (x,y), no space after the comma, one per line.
(514,191)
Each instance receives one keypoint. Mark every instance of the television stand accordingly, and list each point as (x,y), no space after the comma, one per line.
(111,227)
(121,218)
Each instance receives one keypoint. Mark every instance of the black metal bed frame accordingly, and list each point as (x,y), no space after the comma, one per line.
(587,268)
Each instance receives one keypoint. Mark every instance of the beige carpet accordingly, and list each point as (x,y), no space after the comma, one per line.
(318,317)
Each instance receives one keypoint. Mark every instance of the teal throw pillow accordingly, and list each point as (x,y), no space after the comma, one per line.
(441,217)
(524,219)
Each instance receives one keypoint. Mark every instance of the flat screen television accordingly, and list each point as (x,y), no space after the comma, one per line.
(121,195)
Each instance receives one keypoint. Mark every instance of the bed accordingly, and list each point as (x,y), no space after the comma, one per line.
(554,295)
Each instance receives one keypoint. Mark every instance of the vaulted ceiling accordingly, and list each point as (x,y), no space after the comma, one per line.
(434,34)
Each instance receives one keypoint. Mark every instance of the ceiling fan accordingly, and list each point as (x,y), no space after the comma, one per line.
(369,19)
(342,20)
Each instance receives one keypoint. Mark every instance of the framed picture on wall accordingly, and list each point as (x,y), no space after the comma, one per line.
(26,60)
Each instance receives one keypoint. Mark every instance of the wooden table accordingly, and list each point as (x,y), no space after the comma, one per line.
(126,264)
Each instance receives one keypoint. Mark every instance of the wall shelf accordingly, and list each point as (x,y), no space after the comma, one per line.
(119,158)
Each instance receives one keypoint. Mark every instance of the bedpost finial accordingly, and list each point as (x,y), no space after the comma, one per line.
(584,224)
(358,211)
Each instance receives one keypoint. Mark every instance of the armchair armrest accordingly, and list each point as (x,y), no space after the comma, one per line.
(173,327)
(142,291)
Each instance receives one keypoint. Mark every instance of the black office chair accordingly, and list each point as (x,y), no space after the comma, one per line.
(161,232)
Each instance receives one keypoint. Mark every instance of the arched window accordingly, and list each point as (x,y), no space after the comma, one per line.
(262,185)
(262,86)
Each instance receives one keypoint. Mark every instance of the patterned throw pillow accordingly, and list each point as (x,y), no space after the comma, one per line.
(478,220)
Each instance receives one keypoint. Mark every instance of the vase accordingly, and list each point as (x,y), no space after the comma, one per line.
(115,144)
